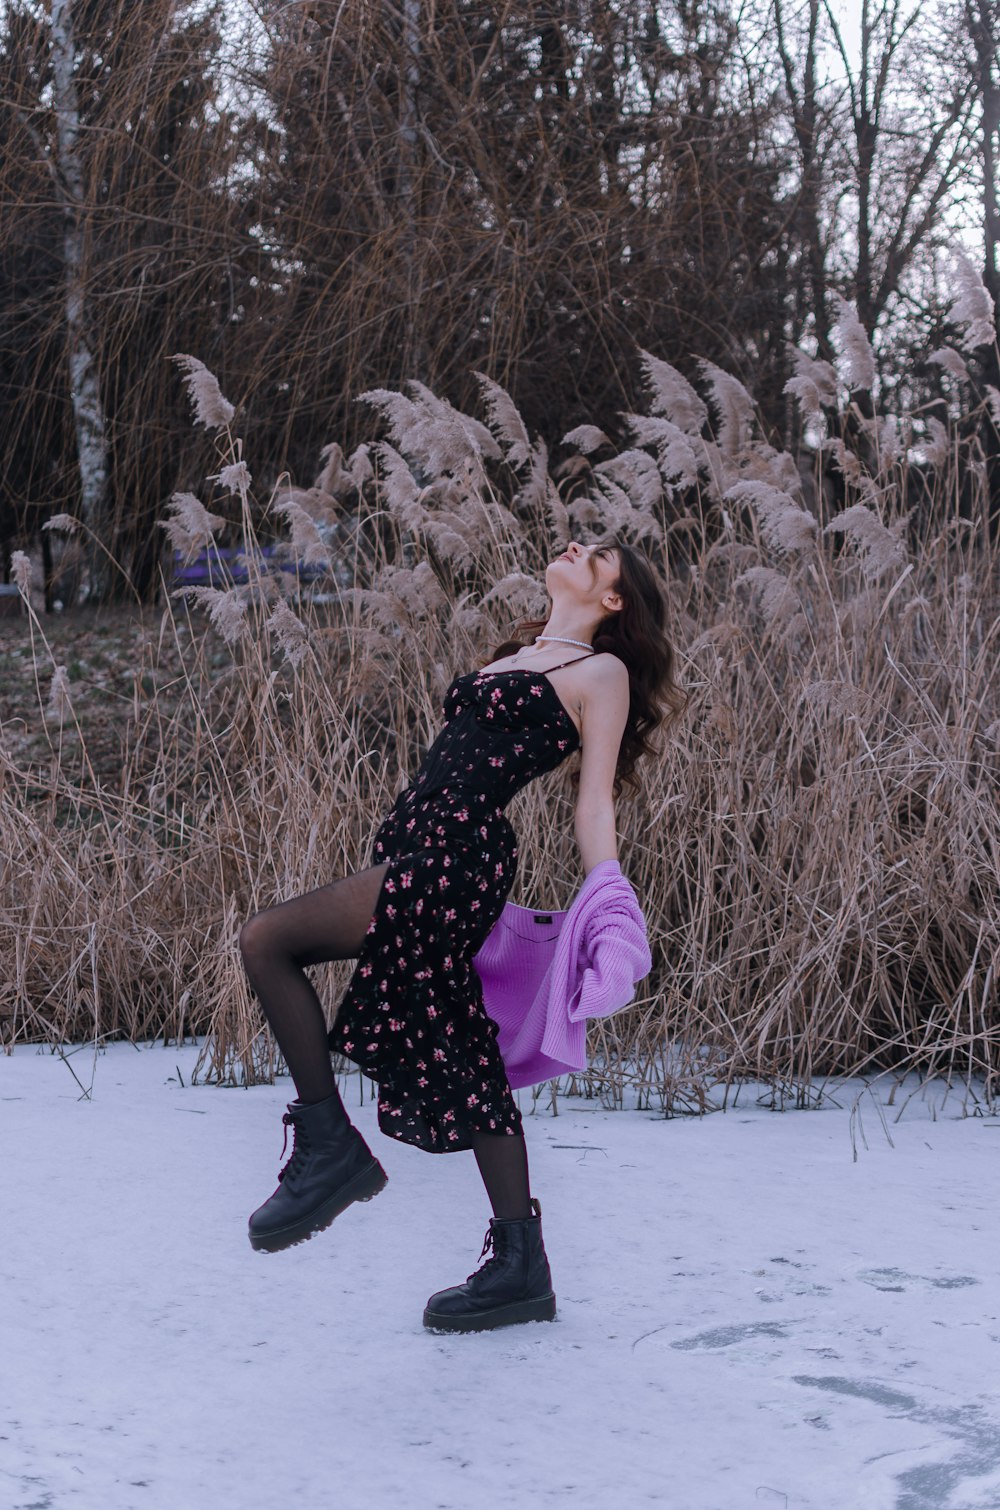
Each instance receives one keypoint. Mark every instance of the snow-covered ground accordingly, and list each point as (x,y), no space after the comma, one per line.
(748,1317)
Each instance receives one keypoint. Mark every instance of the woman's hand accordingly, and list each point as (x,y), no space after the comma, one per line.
(605,702)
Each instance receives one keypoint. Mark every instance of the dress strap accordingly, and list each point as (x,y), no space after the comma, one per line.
(569,662)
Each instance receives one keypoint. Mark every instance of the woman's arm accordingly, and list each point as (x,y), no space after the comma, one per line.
(605,713)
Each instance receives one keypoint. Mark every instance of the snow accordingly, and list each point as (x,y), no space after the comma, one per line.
(748,1316)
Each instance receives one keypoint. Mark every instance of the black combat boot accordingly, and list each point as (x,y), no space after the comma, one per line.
(514,1285)
(331,1166)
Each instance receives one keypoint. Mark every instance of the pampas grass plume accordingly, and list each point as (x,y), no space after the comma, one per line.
(235,478)
(432,433)
(520,594)
(778,600)
(539,494)
(586,438)
(334,478)
(890,445)
(675,453)
(290,632)
(784,525)
(64,522)
(401,492)
(733,405)
(192,526)
(937,447)
(814,385)
(856,356)
(846,460)
(306,542)
(672,395)
(973,305)
(20,567)
(881,549)
(226,609)
(360,467)
(58,705)
(414,589)
(210,408)
(948,358)
(506,421)
(472,436)
(638,474)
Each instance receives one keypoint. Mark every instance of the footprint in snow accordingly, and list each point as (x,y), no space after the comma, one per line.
(897,1280)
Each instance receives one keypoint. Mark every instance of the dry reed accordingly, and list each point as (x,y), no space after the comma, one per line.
(817,848)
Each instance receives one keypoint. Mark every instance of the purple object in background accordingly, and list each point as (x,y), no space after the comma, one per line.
(545,973)
(223,566)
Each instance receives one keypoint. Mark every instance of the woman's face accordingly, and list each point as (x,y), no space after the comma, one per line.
(587,574)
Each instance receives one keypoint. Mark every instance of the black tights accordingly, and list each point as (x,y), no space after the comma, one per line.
(327,924)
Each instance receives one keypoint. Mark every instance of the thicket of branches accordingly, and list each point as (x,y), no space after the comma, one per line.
(321,198)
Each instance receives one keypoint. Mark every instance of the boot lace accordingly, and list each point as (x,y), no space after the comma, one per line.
(497,1258)
(300,1140)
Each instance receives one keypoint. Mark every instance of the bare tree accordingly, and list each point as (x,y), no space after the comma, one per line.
(584,179)
(881,150)
(982,25)
(123,229)
(810,118)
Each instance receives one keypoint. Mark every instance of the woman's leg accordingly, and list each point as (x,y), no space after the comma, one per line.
(503,1164)
(326,924)
(276,944)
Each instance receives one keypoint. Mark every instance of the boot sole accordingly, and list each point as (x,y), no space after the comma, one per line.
(363,1187)
(543,1309)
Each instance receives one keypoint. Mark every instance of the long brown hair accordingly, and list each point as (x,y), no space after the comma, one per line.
(636,634)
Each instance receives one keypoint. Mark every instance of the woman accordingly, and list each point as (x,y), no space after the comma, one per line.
(412,1016)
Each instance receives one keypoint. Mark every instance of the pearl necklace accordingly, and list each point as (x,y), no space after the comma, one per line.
(564,640)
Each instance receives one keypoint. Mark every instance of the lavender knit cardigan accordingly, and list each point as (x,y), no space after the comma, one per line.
(545,973)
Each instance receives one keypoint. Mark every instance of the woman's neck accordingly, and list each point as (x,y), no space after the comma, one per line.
(559,629)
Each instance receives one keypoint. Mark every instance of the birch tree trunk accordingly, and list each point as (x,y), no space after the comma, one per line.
(409,83)
(84,384)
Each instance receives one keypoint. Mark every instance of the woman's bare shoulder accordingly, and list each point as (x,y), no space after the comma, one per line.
(606,669)
(604,687)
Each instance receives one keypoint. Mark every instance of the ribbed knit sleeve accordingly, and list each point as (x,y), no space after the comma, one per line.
(542,984)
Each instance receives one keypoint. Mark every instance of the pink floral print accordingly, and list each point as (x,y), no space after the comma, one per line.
(419,1027)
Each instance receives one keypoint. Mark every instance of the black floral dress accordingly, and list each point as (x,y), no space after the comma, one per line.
(412,1016)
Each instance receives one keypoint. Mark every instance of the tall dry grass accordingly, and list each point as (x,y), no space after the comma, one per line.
(817,848)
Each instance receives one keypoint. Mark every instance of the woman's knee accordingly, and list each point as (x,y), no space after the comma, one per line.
(253,938)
